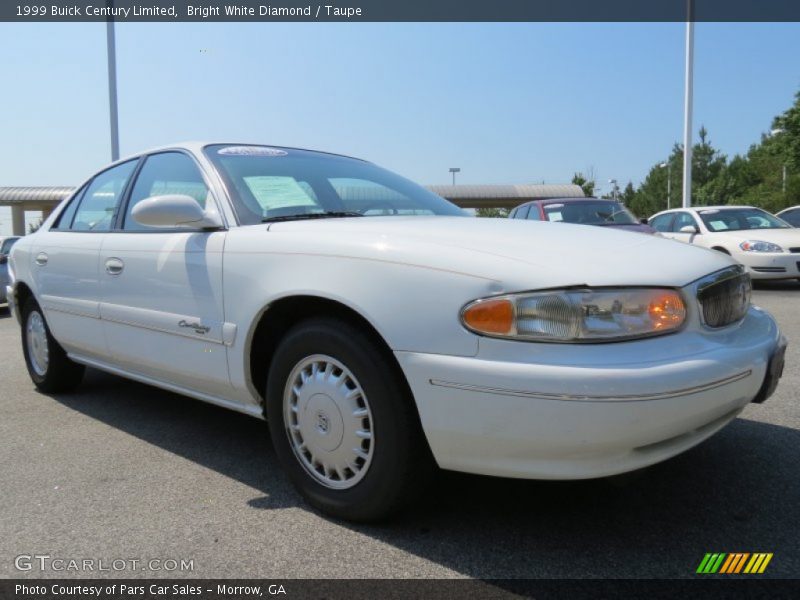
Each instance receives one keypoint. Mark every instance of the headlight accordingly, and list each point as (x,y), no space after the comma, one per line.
(577,315)
(759,246)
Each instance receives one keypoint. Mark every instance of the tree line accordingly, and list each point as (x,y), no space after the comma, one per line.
(767,175)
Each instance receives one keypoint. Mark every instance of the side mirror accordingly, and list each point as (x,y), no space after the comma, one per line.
(643,221)
(175,211)
(688,229)
(3,259)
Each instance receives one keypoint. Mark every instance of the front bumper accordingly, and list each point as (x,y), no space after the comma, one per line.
(783,265)
(10,296)
(575,412)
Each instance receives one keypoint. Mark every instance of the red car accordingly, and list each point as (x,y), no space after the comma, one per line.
(587,211)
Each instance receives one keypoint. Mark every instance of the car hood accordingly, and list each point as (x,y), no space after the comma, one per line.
(517,254)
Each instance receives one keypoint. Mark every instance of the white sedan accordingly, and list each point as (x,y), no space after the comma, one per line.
(768,247)
(379,331)
(791,215)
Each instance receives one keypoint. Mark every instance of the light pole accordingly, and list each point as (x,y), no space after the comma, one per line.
(774,132)
(784,180)
(112,85)
(454,170)
(668,165)
(687,108)
(614,188)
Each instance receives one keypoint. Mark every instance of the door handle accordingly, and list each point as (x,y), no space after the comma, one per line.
(41,259)
(114,266)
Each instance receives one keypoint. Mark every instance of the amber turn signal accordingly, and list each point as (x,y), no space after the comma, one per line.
(667,311)
(490,316)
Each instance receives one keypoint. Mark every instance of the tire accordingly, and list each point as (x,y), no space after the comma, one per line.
(338,381)
(48,366)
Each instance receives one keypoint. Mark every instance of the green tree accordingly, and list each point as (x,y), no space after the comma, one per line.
(768,175)
(492,213)
(587,185)
(627,194)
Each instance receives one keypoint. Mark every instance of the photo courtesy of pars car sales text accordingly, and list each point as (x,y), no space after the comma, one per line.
(399,299)
(126,590)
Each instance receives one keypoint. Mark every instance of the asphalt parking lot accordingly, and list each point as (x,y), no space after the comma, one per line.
(120,470)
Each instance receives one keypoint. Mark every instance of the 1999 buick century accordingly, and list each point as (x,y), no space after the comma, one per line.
(379,331)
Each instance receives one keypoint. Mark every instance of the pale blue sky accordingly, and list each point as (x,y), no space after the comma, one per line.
(508,103)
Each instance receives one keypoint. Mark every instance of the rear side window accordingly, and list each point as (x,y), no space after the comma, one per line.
(97,208)
(662,222)
(164,174)
(64,220)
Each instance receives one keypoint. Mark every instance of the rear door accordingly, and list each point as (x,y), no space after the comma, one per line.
(65,262)
(162,289)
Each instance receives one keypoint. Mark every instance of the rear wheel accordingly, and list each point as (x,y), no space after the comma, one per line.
(344,427)
(48,365)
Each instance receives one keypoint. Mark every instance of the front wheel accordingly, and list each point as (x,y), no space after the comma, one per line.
(343,423)
(48,365)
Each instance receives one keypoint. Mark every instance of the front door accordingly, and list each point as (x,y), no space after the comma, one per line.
(162,290)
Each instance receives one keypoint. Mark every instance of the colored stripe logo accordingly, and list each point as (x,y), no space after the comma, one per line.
(734,563)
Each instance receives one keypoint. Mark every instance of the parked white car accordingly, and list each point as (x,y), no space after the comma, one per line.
(379,346)
(5,249)
(791,215)
(768,247)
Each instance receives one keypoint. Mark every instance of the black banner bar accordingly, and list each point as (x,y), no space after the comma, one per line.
(398,10)
(752,588)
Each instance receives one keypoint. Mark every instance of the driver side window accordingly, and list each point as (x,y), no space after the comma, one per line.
(662,222)
(164,174)
(682,220)
(99,204)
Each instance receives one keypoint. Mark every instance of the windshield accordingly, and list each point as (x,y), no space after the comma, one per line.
(273,183)
(593,212)
(739,219)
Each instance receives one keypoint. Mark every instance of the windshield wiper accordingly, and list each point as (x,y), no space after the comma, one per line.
(330,214)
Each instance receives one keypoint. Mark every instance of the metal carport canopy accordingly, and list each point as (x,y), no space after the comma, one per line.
(503,196)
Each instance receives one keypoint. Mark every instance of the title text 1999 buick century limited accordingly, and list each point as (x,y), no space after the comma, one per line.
(382,332)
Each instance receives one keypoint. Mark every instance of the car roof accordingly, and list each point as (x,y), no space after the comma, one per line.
(699,208)
(566,200)
(196,147)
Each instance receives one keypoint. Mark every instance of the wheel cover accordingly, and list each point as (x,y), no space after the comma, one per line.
(38,349)
(328,421)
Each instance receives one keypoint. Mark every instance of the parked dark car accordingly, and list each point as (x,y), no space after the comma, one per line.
(586,211)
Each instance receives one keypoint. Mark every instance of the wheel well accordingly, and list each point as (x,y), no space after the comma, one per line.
(284,314)
(721,249)
(23,292)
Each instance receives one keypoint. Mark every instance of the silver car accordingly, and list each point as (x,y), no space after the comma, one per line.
(5,249)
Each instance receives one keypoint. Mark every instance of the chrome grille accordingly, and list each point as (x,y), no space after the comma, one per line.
(724,297)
